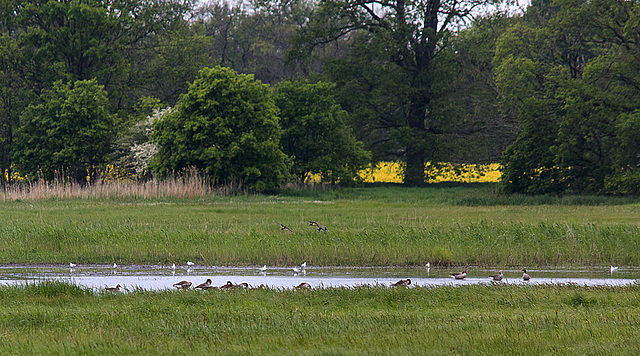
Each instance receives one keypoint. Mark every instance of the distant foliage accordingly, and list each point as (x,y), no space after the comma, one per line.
(136,150)
(315,133)
(69,134)
(227,126)
(570,71)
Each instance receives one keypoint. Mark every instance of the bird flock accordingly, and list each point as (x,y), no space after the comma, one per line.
(206,285)
(496,277)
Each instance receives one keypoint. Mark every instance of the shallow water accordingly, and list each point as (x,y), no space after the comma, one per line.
(163,277)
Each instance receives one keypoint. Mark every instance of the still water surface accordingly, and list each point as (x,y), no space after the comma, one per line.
(163,277)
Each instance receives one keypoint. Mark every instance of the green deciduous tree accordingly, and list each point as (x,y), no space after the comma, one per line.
(572,77)
(70,131)
(315,133)
(227,126)
(397,43)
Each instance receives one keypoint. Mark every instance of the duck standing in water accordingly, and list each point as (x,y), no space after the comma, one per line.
(182,285)
(525,275)
(497,277)
(459,275)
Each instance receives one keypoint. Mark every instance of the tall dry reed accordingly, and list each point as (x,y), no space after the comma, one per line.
(187,186)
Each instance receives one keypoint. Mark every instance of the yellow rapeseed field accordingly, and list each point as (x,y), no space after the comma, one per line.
(383,172)
(390,172)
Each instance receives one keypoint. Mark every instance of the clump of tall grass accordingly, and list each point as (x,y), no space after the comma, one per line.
(189,185)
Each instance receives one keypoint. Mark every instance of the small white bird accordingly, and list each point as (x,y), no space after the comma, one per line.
(612,269)
(428,265)
(263,268)
(189,263)
(173,266)
(71,265)
(303,265)
(115,265)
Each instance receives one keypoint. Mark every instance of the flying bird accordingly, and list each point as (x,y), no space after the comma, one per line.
(284,227)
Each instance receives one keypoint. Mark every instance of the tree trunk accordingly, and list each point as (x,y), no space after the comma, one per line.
(414,172)
(414,144)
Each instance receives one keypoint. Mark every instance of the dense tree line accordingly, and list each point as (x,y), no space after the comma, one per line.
(569,71)
(270,91)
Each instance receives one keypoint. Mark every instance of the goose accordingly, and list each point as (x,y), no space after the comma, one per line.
(242,285)
(497,277)
(612,269)
(114,289)
(303,285)
(525,275)
(402,283)
(459,275)
(229,284)
(205,285)
(182,285)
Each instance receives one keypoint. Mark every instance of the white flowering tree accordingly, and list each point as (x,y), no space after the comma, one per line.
(135,148)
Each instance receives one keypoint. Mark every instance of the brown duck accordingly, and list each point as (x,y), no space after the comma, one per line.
(459,275)
(182,285)
(402,283)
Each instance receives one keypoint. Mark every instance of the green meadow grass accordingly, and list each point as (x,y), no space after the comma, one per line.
(54,318)
(384,225)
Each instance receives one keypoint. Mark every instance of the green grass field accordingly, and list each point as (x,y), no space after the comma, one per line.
(61,319)
(445,225)
(386,225)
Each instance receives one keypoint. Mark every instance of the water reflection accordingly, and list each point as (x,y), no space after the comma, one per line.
(163,277)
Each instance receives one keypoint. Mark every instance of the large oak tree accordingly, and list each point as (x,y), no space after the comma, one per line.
(394,69)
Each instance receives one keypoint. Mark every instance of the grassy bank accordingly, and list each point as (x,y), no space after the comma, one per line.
(55,318)
(447,225)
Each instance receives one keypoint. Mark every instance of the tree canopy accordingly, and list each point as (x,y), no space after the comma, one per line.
(227,126)
(315,133)
(68,134)
(393,71)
